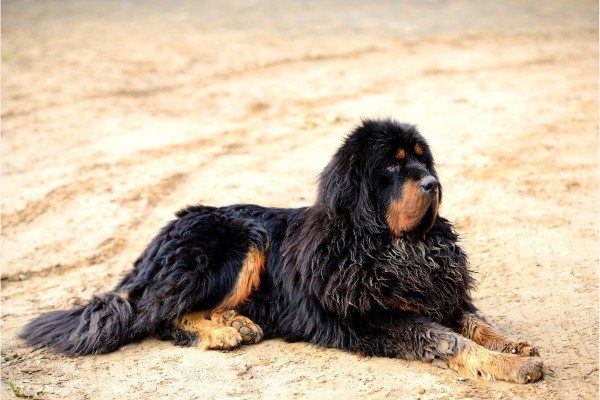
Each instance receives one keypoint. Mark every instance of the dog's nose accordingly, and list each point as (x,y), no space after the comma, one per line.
(429,185)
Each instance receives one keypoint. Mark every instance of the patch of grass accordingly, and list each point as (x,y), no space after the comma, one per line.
(8,56)
(18,392)
(13,387)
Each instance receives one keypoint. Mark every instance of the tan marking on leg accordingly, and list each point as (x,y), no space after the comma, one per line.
(211,334)
(251,333)
(482,333)
(222,328)
(475,361)
(248,280)
(405,214)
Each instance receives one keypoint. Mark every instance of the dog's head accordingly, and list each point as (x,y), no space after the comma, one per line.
(383,174)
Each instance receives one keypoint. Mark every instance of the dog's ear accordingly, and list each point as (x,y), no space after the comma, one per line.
(344,184)
(339,184)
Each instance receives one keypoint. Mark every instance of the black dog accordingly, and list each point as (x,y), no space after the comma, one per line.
(370,267)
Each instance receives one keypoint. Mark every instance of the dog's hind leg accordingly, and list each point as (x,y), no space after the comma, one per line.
(221,328)
(248,279)
(204,262)
(207,318)
(207,260)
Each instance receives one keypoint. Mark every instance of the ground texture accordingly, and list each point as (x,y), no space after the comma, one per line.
(116,114)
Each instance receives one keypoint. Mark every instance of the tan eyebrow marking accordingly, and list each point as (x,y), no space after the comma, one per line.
(418,149)
(400,153)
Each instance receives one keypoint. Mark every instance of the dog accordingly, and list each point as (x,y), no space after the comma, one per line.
(370,267)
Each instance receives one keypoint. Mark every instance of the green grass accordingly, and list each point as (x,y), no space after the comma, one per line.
(8,56)
(18,392)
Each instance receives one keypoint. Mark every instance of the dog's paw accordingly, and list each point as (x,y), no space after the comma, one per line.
(251,333)
(528,370)
(220,338)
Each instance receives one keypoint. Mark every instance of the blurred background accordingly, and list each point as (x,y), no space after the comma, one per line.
(117,113)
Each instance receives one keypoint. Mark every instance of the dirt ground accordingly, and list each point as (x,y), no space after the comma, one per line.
(116,113)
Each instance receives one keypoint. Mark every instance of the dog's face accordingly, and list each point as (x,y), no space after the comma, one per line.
(411,191)
(384,172)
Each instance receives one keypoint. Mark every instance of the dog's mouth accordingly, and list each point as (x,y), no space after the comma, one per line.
(426,223)
(413,215)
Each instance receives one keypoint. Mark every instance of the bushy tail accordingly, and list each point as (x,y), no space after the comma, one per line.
(101,326)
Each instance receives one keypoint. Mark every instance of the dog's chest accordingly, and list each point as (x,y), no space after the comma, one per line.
(431,256)
(432,275)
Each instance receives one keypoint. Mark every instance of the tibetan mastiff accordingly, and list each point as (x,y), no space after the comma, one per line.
(371,268)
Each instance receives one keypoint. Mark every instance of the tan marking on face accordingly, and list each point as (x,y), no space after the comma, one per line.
(247,281)
(405,214)
(435,204)
(418,149)
(400,153)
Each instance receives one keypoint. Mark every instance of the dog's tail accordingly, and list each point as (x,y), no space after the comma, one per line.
(101,326)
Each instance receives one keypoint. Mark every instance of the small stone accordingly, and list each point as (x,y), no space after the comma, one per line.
(419,390)
(31,370)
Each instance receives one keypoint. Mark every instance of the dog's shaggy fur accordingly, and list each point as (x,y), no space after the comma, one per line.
(370,267)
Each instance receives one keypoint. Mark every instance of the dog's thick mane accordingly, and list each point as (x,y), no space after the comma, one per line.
(356,274)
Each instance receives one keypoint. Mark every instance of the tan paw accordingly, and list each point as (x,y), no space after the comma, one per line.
(220,338)
(478,362)
(528,370)
(250,332)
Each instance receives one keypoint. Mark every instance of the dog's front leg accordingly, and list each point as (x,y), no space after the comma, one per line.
(478,330)
(416,338)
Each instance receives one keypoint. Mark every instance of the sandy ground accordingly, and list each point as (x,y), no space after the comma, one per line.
(115,114)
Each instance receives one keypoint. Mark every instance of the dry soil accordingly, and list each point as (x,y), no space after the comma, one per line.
(117,113)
